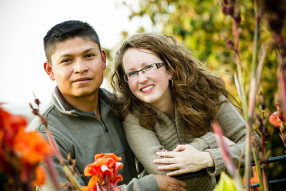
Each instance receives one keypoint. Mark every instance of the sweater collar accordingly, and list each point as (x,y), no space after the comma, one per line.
(64,105)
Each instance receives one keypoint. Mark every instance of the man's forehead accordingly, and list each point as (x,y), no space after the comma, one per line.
(74,46)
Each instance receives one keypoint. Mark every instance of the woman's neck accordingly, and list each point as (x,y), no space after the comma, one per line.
(167,107)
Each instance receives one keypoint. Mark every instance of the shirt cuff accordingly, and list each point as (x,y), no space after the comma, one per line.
(146,183)
(210,140)
(219,164)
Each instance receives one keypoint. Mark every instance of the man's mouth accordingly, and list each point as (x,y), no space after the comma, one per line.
(82,79)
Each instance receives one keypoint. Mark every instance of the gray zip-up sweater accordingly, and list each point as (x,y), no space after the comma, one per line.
(83,134)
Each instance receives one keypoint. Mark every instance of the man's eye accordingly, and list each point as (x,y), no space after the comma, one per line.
(89,55)
(130,74)
(149,67)
(66,60)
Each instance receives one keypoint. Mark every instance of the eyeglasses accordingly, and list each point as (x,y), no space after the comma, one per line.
(148,69)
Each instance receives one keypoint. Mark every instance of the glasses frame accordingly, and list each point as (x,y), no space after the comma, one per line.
(158,65)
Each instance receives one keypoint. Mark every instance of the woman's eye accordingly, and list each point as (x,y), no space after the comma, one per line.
(148,67)
(130,74)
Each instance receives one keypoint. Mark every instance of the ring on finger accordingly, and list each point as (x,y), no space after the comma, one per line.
(176,167)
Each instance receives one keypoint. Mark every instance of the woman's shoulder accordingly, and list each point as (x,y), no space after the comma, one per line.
(132,117)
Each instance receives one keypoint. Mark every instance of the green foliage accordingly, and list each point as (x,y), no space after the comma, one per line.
(201,26)
(225,183)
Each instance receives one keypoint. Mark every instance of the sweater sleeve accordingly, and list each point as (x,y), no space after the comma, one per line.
(146,183)
(144,144)
(233,126)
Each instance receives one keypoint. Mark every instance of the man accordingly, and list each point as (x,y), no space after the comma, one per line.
(79,116)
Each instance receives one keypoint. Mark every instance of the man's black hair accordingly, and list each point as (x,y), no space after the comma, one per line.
(66,30)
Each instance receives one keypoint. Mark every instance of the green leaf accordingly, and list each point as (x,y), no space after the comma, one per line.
(225,183)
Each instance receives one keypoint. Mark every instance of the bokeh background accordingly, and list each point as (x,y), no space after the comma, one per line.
(199,25)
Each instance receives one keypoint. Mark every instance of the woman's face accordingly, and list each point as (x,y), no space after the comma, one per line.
(150,85)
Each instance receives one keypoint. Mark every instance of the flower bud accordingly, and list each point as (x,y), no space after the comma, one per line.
(261,99)
(237,18)
(228,10)
(229,44)
(37,101)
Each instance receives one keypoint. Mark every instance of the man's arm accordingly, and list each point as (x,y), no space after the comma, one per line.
(154,183)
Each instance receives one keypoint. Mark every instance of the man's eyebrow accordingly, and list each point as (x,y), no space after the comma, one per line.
(87,50)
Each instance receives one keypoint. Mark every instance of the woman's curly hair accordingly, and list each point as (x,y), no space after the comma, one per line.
(195,90)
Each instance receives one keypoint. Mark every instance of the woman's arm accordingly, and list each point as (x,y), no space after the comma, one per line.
(144,144)
(233,126)
(186,158)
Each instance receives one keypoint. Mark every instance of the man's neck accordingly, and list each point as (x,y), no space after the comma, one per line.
(86,103)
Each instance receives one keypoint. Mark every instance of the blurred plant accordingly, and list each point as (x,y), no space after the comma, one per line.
(232,8)
(104,173)
(261,149)
(21,153)
(255,39)
(277,120)
(234,173)
(103,170)
(225,183)
(72,183)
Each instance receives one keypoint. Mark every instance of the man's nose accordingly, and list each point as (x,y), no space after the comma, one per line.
(80,66)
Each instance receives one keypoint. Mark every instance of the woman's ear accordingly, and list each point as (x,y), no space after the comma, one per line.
(170,74)
(49,70)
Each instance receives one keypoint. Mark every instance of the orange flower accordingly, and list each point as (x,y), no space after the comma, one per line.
(276,118)
(10,125)
(253,180)
(31,147)
(21,152)
(108,155)
(39,176)
(103,171)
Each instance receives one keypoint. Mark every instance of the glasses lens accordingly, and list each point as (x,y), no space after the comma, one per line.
(148,69)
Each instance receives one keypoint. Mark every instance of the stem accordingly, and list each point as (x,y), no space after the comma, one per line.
(263,142)
(264,173)
(255,42)
(248,158)
(251,110)
(71,177)
(258,170)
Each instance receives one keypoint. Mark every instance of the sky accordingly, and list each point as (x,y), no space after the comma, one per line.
(23,25)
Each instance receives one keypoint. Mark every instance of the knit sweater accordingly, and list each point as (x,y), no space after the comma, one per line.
(83,134)
(166,135)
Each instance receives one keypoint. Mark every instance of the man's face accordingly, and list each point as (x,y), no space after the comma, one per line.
(77,67)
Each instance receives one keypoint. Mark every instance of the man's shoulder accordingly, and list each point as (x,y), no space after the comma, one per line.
(36,123)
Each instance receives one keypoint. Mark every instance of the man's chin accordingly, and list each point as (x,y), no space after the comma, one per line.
(85,93)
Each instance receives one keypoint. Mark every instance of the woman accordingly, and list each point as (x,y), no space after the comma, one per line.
(167,101)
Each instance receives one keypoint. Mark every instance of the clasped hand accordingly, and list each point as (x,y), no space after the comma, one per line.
(184,159)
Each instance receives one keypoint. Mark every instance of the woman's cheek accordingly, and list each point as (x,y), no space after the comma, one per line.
(132,86)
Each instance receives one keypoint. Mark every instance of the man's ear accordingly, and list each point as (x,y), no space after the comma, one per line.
(49,70)
(103,56)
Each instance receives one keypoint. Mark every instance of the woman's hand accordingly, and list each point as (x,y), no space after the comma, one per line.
(184,159)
